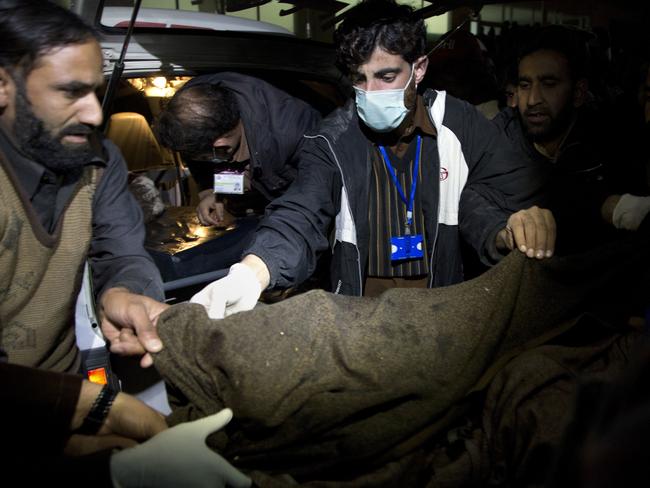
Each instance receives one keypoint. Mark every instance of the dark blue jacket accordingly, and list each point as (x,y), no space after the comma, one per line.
(578,181)
(274,122)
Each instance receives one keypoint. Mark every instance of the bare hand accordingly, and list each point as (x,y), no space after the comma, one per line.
(128,323)
(209,211)
(129,422)
(532,231)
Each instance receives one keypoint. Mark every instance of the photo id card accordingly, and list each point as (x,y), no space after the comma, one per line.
(231,183)
(406,247)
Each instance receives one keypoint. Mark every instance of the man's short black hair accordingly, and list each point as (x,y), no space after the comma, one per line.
(571,43)
(196,116)
(32,28)
(381,23)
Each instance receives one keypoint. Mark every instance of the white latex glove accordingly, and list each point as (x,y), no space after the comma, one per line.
(238,291)
(630,211)
(178,457)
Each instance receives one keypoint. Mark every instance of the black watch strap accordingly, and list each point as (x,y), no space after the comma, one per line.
(98,412)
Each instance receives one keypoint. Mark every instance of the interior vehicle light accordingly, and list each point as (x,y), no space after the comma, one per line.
(159,82)
(158,86)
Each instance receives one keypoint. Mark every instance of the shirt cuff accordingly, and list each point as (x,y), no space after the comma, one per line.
(491,254)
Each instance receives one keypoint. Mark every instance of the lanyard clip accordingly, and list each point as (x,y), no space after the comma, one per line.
(407,223)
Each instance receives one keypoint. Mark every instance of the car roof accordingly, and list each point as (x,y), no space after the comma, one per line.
(173,42)
(183,19)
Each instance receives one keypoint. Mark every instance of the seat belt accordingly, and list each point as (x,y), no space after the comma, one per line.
(95,356)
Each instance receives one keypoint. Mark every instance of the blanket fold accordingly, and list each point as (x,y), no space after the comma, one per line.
(325,386)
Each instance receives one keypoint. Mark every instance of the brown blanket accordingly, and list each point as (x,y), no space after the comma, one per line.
(529,404)
(328,387)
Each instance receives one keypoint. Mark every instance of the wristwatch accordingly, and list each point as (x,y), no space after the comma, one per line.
(98,412)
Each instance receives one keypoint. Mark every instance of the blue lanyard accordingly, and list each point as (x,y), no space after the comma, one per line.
(414,179)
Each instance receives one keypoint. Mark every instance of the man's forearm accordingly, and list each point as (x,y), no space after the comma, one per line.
(117,254)
(137,274)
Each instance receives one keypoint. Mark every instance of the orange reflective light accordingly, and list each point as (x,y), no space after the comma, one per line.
(98,376)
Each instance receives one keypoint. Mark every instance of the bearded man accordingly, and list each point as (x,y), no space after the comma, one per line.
(64,199)
(560,131)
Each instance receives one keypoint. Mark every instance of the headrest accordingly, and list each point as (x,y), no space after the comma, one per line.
(131,132)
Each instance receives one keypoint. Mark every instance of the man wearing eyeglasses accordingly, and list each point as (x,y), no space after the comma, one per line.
(239,136)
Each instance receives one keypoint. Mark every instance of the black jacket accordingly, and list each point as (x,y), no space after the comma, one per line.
(577,183)
(484,181)
(274,123)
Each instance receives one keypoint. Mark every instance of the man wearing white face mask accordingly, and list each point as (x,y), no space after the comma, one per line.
(402,177)
(383,110)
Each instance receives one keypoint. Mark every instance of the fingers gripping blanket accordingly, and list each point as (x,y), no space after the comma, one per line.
(321,383)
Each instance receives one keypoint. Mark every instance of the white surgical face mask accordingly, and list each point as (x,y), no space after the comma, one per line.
(382,110)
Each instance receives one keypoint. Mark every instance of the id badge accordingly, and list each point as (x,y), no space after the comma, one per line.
(406,247)
(231,183)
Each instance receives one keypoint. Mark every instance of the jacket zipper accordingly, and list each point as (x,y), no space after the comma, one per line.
(435,237)
(338,287)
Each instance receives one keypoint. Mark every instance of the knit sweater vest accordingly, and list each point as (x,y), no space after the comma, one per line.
(40,274)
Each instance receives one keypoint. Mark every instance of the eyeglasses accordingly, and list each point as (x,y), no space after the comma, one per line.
(209,157)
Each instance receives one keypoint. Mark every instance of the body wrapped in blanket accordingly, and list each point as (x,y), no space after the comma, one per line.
(332,390)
